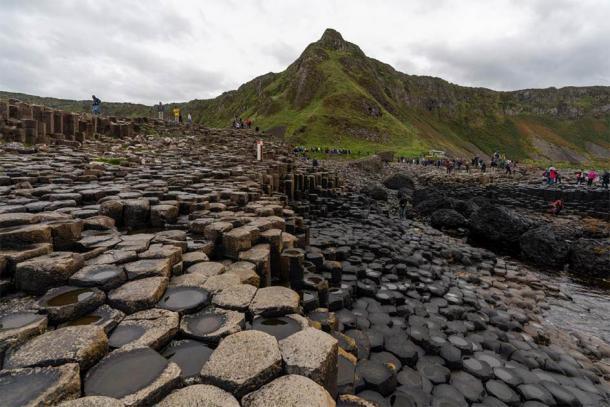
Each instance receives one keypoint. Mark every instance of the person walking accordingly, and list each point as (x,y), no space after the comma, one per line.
(189,118)
(176,112)
(160,110)
(96,105)
(605,179)
(591,177)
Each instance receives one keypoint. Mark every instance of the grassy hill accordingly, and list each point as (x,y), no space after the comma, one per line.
(333,95)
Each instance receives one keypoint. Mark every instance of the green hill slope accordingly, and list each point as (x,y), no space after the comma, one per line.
(333,95)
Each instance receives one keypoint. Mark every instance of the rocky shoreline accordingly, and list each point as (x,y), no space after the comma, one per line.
(192,274)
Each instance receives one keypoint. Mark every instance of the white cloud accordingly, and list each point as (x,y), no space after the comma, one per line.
(146,51)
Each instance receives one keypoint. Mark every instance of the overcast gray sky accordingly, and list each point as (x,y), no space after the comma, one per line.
(146,51)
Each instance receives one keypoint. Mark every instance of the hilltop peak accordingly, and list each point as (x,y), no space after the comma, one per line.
(332,39)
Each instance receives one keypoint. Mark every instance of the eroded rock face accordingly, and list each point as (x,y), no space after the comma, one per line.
(258,356)
(38,386)
(84,345)
(290,390)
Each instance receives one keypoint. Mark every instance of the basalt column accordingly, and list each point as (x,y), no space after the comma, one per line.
(292,269)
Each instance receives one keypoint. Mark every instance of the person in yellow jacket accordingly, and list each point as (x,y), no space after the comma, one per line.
(176,112)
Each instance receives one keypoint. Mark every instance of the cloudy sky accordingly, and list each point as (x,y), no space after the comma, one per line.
(146,51)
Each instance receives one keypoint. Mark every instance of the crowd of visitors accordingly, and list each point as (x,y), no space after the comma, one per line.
(238,123)
(331,151)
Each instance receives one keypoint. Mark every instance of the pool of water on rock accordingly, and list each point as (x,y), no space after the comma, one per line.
(25,387)
(18,320)
(183,298)
(587,312)
(86,320)
(70,297)
(190,355)
(124,334)
(280,327)
(125,373)
(207,323)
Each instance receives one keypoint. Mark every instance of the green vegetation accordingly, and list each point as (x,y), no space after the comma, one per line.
(110,160)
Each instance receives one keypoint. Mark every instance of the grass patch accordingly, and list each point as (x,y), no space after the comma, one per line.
(110,160)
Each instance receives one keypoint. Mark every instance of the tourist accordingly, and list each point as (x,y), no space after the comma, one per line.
(189,118)
(591,177)
(160,110)
(176,112)
(402,205)
(248,123)
(180,117)
(96,106)
(605,179)
(579,177)
(556,207)
(508,169)
(552,175)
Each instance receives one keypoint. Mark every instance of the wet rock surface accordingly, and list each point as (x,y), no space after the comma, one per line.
(212,276)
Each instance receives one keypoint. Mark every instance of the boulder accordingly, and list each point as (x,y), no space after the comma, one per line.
(399,181)
(375,191)
(499,227)
(448,219)
(591,256)
(545,245)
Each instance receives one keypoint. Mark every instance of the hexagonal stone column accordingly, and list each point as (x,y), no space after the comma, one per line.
(312,353)
(243,362)
(291,390)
